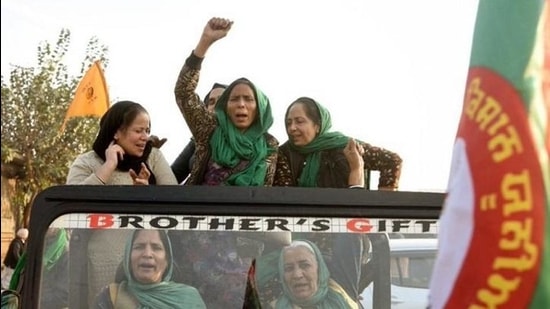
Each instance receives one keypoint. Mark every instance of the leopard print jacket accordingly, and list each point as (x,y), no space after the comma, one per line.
(334,169)
(203,123)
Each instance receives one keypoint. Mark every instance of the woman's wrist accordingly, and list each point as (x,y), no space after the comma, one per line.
(356,178)
(100,179)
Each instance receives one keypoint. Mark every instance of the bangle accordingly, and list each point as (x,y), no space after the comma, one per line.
(356,187)
(102,181)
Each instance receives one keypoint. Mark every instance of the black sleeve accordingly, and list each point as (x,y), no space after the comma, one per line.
(346,263)
(13,254)
(103,299)
(19,250)
(182,165)
(16,250)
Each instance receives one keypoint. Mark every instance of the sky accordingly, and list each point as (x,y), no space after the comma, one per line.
(392,73)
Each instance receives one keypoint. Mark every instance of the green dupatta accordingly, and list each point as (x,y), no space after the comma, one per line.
(230,146)
(166,294)
(326,297)
(323,141)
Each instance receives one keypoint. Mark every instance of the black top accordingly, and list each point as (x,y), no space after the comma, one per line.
(16,249)
(181,167)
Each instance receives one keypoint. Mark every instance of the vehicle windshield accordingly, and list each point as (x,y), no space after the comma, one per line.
(87,255)
(173,247)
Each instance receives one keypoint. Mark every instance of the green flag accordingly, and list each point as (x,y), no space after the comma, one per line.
(494,241)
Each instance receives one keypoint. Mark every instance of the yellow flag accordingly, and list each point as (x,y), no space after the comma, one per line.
(91,97)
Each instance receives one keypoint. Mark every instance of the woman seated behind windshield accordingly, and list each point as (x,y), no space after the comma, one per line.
(306,280)
(148,268)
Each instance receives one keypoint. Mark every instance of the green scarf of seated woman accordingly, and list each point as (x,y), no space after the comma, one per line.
(166,294)
(323,141)
(329,294)
(230,146)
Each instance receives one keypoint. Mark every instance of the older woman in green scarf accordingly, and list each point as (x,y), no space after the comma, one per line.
(315,156)
(306,280)
(233,146)
(148,267)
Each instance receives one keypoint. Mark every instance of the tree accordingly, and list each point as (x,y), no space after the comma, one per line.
(34,103)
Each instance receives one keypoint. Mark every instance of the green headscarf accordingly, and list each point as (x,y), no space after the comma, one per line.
(55,249)
(165,294)
(324,298)
(323,141)
(230,146)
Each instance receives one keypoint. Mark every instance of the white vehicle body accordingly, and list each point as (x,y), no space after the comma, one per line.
(411,268)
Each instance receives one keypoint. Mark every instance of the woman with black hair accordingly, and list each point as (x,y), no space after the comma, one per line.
(122,153)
